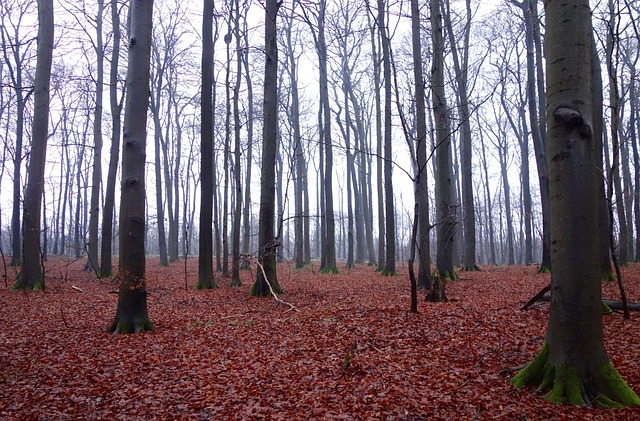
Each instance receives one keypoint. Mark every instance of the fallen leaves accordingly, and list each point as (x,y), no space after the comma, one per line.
(220,354)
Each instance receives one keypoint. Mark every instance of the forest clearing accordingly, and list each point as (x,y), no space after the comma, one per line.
(348,349)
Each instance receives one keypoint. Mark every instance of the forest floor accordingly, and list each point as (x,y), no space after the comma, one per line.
(220,354)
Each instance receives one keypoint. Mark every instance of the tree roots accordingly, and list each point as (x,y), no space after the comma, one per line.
(565,384)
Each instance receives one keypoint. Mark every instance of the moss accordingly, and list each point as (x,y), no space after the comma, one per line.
(330,270)
(606,309)
(615,389)
(120,326)
(387,272)
(567,386)
(206,284)
(350,266)
(534,372)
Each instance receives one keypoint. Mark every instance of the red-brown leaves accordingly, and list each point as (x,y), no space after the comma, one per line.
(220,354)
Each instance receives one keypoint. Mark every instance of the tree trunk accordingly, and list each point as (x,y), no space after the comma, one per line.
(390,229)
(573,362)
(131,314)
(266,280)
(444,177)
(421,182)
(205,248)
(237,170)
(114,154)
(31,275)
(96,176)
(468,209)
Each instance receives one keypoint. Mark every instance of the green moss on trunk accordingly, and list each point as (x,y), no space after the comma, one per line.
(121,326)
(206,284)
(605,388)
(386,272)
(330,270)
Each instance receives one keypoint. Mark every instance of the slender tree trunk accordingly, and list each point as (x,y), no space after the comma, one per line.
(444,178)
(31,275)
(206,279)
(235,243)
(421,182)
(390,229)
(246,214)
(114,154)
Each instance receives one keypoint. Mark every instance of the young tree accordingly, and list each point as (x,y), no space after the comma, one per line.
(421,182)
(266,279)
(573,362)
(131,314)
(205,253)
(444,179)
(115,105)
(390,229)
(31,276)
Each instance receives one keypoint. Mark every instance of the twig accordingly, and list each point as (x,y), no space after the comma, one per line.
(76,288)
(275,297)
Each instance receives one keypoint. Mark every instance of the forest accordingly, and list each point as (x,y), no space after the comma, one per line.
(402,182)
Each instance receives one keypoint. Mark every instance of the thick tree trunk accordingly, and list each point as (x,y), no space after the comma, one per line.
(31,275)
(444,178)
(573,363)
(206,279)
(266,280)
(131,315)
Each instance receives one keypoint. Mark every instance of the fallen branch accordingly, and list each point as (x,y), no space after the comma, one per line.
(273,294)
(544,295)
(536,297)
(76,288)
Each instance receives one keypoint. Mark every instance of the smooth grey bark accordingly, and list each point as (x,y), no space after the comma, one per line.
(390,228)
(266,279)
(445,208)
(573,362)
(461,67)
(115,105)
(421,187)
(131,314)
(96,172)
(31,275)
(237,170)
(246,213)
(615,182)
(206,278)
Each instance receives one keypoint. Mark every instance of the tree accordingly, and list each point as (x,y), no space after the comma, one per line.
(445,209)
(573,362)
(266,280)
(31,276)
(421,184)
(205,252)
(131,314)
(115,105)
(16,49)
(390,229)
(96,175)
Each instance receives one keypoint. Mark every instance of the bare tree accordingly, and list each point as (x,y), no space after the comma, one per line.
(131,314)
(206,279)
(31,276)
(266,281)
(573,362)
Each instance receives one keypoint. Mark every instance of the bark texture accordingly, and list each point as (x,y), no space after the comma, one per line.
(573,364)
(131,314)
